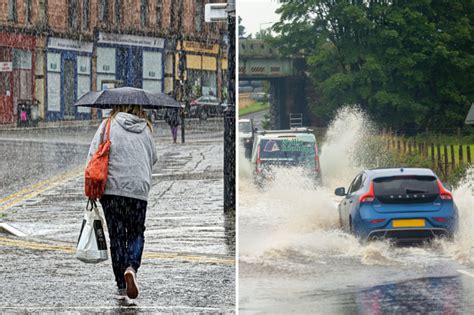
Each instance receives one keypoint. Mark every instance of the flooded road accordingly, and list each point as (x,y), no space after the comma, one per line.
(294,258)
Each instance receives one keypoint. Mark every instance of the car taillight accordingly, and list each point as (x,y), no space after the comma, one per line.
(316,158)
(377,221)
(368,196)
(258,169)
(443,193)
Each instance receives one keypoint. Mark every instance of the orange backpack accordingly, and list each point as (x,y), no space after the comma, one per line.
(98,167)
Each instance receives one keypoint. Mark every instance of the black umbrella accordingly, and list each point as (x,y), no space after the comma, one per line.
(126,96)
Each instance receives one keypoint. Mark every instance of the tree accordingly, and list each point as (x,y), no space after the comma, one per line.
(241,28)
(264,34)
(408,63)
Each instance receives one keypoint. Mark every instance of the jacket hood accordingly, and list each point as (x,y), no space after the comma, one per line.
(130,122)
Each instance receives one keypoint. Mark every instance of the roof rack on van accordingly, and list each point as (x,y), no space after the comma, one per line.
(292,130)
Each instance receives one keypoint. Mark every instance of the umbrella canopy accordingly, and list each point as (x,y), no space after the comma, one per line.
(126,96)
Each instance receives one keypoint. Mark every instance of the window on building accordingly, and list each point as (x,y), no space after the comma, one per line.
(118,12)
(43,12)
(12,10)
(143,12)
(72,13)
(28,11)
(159,12)
(198,15)
(103,10)
(85,14)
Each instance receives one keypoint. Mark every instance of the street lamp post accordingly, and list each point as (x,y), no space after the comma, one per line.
(229,116)
(219,12)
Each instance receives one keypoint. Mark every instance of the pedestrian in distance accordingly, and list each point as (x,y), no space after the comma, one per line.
(131,157)
(173,120)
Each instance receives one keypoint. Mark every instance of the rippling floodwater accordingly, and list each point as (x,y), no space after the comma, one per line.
(289,234)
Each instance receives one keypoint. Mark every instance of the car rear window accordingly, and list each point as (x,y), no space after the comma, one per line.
(406,189)
(245,126)
(288,149)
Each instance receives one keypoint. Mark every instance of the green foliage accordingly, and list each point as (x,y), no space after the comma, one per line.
(407,63)
(255,107)
(241,28)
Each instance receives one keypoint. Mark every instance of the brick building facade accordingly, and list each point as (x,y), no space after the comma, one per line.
(57,50)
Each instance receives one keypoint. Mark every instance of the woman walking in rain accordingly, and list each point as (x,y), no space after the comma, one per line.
(132,155)
(173,120)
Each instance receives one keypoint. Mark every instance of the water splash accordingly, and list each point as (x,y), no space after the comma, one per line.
(462,249)
(291,223)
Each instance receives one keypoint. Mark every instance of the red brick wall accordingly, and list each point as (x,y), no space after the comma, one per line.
(57,15)
(166,15)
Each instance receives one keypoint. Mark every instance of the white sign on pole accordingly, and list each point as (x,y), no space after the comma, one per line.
(6,66)
(215,12)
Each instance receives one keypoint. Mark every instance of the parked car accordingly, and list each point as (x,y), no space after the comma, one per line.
(246,134)
(404,204)
(285,148)
(206,106)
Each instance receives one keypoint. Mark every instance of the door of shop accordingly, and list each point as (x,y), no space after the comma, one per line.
(69,86)
(6,99)
(130,66)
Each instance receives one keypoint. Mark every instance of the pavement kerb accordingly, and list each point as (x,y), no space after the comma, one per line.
(79,124)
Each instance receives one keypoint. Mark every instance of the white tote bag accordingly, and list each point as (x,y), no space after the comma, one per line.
(92,246)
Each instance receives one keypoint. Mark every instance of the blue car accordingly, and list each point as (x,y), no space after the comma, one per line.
(404,204)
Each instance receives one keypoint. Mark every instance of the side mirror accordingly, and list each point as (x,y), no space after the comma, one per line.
(341,191)
(255,129)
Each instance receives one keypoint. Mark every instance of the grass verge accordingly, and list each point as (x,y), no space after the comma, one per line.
(256,107)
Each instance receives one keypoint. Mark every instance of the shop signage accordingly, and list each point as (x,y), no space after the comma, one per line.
(69,44)
(200,47)
(6,66)
(133,40)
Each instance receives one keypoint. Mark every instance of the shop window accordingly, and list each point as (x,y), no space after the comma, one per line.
(12,10)
(106,60)
(72,12)
(83,79)
(53,68)
(199,15)
(22,73)
(85,14)
(103,10)
(118,12)
(152,71)
(28,11)
(143,12)
(159,12)
(21,59)
(209,83)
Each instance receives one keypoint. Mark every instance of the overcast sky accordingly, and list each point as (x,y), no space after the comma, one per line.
(256,14)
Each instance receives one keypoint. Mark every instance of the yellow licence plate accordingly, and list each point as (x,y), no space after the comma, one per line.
(409,223)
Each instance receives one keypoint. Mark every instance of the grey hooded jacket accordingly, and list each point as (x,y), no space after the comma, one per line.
(131,156)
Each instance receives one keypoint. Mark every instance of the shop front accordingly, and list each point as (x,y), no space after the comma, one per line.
(17,55)
(68,78)
(135,61)
(201,67)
